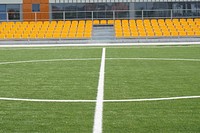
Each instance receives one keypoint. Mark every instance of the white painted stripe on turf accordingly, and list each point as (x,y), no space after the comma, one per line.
(153,99)
(46,100)
(88,59)
(92,101)
(50,48)
(99,47)
(48,60)
(101,44)
(158,59)
(98,117)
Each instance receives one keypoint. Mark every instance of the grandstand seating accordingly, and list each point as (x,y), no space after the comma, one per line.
(157,28)
(46,30)
(82,29)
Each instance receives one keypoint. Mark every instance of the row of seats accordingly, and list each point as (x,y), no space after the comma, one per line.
(82,29)
(61,29)
(103,22)
(157,28)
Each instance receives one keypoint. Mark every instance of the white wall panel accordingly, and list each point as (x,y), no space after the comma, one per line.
(11,1)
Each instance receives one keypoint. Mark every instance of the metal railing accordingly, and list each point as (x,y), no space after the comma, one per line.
(84,15)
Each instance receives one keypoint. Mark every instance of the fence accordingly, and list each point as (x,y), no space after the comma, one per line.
(116,14)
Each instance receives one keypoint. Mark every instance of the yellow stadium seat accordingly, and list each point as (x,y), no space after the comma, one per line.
(49,35)
(110,21)
(25,36)
(182,33)
(95,21)
(41,35)
(190,33)
(9,36)
(79,35)
(87,35)
(126,34)
(63,35)
(103,21)
(197,33)
(72,35)
(56,35)
(135,34)
(33,36)
(2,36)
(17,36)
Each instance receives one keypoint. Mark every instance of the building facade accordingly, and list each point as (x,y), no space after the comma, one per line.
(24,10)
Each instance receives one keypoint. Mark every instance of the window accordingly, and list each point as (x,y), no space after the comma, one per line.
(2,12)
(35,7)
(13,12)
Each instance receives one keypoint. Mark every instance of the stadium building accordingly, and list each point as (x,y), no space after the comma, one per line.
(76,19)
(96,9)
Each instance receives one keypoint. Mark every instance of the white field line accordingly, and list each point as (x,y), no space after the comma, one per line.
(52,48)
(98,47)
(93,101)
(48,60)
(158,59)
(98,117)
(101,44)
(153,99)
(47,100)
(88,59)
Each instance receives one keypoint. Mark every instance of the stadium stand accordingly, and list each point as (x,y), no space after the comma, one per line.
(82,29)
(46,30)
(157,28)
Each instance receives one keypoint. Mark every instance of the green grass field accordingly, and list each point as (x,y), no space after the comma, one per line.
(72,73)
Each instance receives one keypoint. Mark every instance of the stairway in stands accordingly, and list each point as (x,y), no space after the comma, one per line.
(103,32)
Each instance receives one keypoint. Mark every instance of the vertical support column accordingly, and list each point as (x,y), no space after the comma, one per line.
(113,15)
(63,15)
(142,14)
(92,15)
(35,16)
(7,17)
(171,14)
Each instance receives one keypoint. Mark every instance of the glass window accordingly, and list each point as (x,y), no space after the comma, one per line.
(90,7)
(35,7)
(198,8)
(70,11)
(178,9)
(2,8)
(13,12)
(2,12)
(140,6)
(193,8)
(81,11)
(57,11)
(109,6)
(57,7)
(158,10)
(70,7)
(120,6)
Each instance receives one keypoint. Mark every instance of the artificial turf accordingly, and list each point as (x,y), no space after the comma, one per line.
(78,80)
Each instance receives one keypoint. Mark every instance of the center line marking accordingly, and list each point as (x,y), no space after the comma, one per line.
(98,118)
